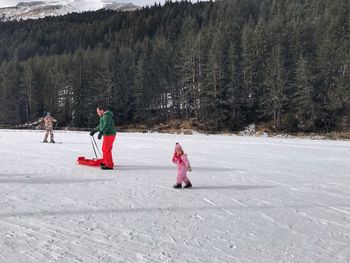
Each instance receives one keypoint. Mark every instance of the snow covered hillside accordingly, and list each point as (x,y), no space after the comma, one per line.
(253,200)
(40,9)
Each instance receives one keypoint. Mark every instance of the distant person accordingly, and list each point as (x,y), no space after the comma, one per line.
(106,128)
(183,165)
(48,123)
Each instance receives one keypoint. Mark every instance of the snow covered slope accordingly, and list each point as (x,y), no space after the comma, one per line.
(254,200)
(39,9)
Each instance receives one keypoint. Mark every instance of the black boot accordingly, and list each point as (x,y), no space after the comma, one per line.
(188,185)
(177,185)
(106,168)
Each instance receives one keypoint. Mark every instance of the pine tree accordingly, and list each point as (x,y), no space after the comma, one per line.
(303,100)
(274,96)
(139,102)
(122,67)
(187,67)
(11,93)
(84,95)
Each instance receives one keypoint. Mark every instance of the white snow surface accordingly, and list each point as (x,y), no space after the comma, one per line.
(253,200)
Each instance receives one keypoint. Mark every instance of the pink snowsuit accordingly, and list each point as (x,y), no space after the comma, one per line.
(182,166)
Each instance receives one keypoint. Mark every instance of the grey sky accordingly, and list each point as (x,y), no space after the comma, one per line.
(136,2)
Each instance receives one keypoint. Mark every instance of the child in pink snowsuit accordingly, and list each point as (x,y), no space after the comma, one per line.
(183,165)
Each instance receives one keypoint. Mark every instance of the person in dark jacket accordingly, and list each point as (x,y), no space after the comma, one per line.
(106,128)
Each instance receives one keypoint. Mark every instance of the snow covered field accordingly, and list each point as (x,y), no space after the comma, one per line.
(254,200)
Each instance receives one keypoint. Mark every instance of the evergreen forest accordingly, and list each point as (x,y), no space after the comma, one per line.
(220,64)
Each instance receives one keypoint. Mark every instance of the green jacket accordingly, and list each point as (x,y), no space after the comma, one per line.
(106,125)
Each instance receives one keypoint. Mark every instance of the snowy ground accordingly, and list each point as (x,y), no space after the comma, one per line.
(254,200)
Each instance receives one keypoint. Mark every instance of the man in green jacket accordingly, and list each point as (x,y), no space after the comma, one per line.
(106,128)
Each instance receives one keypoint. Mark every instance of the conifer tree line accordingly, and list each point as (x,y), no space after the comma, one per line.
(222,64)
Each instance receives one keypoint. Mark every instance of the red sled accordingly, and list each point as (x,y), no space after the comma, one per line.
(90,162)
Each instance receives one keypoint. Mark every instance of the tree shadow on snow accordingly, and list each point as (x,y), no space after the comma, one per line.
(16,175)
(49,181)
(232,187)
(153,210)
(171,168)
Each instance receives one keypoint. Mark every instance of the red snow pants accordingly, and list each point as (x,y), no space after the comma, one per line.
(107,147)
